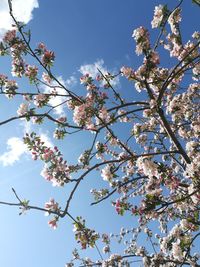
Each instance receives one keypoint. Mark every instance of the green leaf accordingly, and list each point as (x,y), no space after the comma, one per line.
(196,2)
(149,197)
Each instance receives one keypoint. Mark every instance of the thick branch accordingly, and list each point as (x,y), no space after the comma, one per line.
(173,136)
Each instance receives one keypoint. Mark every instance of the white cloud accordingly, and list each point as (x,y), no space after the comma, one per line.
(45,138)
(15,149)
(58,100)
(71,81)
(22,10)
(27,126)
(92,69)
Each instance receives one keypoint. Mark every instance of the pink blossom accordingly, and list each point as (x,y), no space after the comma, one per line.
(103,116)
(141,37)
(18,67)
(127,72)
(85,79)
(42,46)
(62,119)
(118,206)
(53,223)
(46,78)
(174,19)
(48,154)
(48,57)
(40,100)
(158,16)
(51,205)
(3,79)
(23,109)
(31,72)
(107,174)
(10,36)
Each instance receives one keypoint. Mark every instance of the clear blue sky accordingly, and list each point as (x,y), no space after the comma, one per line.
(80,32)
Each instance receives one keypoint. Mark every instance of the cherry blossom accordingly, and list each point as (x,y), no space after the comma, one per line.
(23,109)
(144,148)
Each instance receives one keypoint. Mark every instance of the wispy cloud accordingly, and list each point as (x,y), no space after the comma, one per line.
(29,127)
(93,70)
(15,149)
(22,10)
(26,126)
(58,100)
(45,138)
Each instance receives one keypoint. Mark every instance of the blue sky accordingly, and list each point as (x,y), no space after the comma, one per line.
(81,33)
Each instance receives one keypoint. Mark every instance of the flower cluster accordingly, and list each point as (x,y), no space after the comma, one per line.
(31,72)
(52,207)
(47,56)
(40,100)
(107,173)
(159,16)
(85,236)
(141,36)
(91,109)
(55,169)
(145,147)
(23,109)
(10,37)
